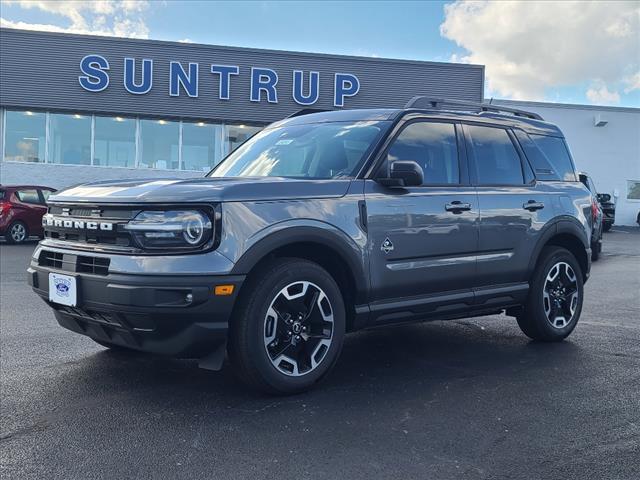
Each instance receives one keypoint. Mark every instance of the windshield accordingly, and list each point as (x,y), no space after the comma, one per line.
(314,151)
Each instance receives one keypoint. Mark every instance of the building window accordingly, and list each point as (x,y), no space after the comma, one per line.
(159,144)
(25,136)
(86,139)
(236,135)
(633,189)
(70,139)
(115,142)
(201,146)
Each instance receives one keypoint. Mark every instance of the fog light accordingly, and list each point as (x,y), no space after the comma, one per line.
(189,297)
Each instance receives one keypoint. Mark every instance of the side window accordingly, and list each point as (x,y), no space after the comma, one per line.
(45,194)
(28,196)
(433,146)
(496,159)
(549,156)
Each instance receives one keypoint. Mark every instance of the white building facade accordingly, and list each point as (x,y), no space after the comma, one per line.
(605,143)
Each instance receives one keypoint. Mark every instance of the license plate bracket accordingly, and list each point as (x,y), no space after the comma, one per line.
(63,289)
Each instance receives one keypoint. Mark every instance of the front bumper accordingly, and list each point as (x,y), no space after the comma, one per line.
(150,313)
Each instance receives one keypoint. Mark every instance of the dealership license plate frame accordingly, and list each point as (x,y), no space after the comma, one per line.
(63,289)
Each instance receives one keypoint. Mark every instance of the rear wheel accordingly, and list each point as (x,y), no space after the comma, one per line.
(288,331)
(555,298)
(16,233)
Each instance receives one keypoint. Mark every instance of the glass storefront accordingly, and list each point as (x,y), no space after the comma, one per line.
(69,139)
(25,139)
(83,139)
(159,143)
(201,146)
(115,142)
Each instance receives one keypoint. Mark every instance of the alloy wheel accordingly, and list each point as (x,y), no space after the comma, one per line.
(560,295)
(18,232)
(298,328)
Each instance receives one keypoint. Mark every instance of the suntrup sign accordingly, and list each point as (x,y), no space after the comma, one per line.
(263,82)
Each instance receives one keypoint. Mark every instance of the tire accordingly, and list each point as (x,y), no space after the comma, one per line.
(541,305)
(596,249)
(264,349)
(606,227)
(17,233)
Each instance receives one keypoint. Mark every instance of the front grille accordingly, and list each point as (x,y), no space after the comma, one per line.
(70,262)
(94,265)
(116,239)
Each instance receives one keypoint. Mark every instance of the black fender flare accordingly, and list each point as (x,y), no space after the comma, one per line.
(562,225)
(286,234)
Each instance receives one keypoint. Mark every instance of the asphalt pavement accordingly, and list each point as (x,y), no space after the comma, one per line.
(465,399)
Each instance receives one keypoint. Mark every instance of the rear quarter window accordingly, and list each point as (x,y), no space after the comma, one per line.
(28,196)
(549,156)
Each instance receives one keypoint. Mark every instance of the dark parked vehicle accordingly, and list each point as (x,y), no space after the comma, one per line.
(322,224)
(21,211)
(597,216)
(608,209)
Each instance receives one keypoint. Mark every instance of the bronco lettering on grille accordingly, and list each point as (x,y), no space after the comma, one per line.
(75,224)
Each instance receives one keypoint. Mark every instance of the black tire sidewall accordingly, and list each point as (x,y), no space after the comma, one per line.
(536,305)
(285,274)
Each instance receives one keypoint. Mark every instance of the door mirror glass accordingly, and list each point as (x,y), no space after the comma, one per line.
(404,173)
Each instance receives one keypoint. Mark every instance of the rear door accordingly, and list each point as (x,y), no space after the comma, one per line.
(31,209)
(423,240)
(513,209)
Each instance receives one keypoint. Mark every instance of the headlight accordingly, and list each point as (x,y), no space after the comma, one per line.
(181,229)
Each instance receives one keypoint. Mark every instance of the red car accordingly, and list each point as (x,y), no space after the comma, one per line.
(21,211)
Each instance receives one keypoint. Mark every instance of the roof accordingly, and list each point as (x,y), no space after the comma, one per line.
(389,114)
(574,106)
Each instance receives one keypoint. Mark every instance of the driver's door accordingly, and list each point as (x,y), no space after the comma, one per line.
(423,239)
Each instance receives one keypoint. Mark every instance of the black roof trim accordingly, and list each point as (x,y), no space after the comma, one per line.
(446,104)
(307,111)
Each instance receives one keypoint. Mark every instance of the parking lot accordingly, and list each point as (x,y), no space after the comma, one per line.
(460,399)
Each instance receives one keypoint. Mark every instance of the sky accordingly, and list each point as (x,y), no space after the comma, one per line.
(569,52)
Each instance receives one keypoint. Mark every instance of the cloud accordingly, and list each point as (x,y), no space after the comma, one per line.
(602,94)
(529,47)
(632,82)
(185,40)
(120,18)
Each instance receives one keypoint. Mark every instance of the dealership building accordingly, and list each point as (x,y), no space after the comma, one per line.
(77,108)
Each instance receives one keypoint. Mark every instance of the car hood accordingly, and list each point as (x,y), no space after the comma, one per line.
(201,190)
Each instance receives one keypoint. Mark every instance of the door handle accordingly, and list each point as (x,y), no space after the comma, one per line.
(532,205)
(457,207)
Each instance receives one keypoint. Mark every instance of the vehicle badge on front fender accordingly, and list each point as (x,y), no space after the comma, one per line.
(387,246)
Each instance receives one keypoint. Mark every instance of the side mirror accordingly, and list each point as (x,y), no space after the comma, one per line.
(405,173)
(604,197)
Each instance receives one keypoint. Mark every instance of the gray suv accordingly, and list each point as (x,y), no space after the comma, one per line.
(322,224)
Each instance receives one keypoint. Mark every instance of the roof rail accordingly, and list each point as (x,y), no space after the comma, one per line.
(306,111)
(444,103)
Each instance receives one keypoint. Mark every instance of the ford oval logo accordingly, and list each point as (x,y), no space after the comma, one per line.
(62,287)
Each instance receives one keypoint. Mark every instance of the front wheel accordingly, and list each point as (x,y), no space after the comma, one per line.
(288,331)
(555,298)
(606,227)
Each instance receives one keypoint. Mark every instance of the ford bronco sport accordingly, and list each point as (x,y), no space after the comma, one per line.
(322,224)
